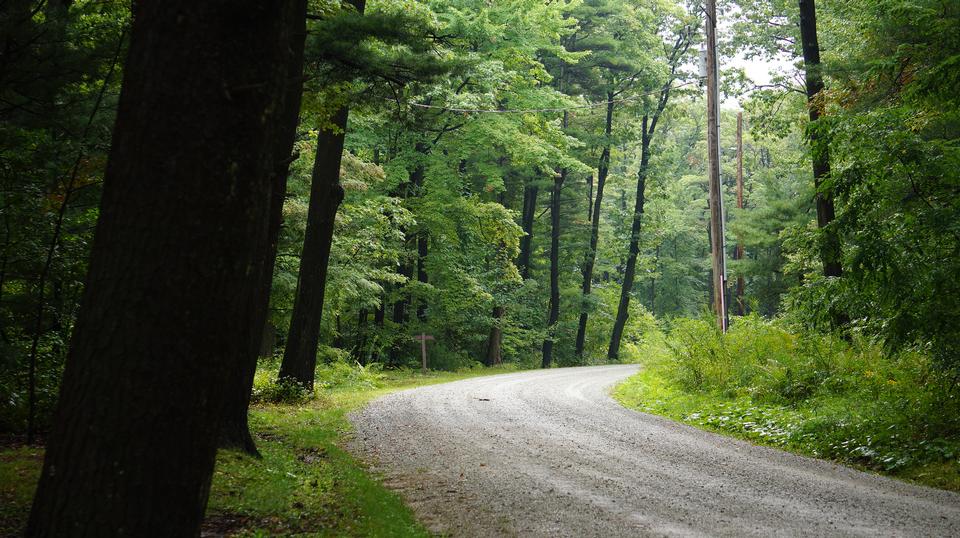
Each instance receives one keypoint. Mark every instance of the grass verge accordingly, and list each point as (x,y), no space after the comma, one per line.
(304,485)
(850,402)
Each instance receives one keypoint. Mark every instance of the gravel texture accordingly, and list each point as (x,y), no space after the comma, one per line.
(550,453)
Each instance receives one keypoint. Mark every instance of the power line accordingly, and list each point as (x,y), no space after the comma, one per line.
(537,110)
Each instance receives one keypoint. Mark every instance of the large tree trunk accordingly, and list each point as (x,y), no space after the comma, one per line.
(300,356)
(830,253)
(234,425)
(173,289)
(591,257)
(623,309)
(526,223)
(553,313)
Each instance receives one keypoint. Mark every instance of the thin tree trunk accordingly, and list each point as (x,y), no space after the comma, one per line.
(300,356)
(422,252)
(830,250)
(591,256)
(629,273)
(653,283)
(526,223)
(590,198)
(361,343)
(553,314)
(184,226)
(378,316)
(55,242)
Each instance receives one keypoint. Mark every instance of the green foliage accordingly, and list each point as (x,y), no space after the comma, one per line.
(848,401)
(62,66)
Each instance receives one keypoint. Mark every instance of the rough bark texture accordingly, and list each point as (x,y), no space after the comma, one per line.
(553,313)
(526,222)
(629,273)
(300,356)
(830,248)
(591,257)
(172,289)
(234,426)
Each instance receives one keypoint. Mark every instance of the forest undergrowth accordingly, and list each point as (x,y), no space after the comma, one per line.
(305,483)
(844,399)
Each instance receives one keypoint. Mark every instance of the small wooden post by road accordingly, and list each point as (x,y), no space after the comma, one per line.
(423,350)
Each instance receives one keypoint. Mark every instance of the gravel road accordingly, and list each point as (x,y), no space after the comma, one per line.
(549,453)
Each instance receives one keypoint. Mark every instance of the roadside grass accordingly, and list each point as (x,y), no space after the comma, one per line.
(851,402)
(305,484)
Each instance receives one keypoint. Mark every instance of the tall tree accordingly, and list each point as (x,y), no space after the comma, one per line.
(163,319)
(648,128)
(830,249)
(326,193)
(591,256)
(553,312)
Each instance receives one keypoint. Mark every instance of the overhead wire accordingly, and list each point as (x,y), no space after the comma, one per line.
(540,110)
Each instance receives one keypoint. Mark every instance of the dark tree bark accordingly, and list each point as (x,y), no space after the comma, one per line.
(591,256)
(300,356)
(422,252)
(830,250)
(648,128)
(234,425)
(495,340)
(526,223)
(553,313)
(378,316)
(173,286)
(416,182)
(629,273)
(653,283)
(268,342)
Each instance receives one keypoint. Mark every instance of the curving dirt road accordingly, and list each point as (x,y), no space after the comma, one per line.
(549,453)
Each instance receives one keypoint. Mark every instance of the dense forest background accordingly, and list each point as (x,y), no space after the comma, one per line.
(210,203)
(525,180)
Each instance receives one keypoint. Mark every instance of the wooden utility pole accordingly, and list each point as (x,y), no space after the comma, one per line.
(717,243)
(738,253)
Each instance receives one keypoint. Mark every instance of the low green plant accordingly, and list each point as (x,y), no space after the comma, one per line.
(850,401)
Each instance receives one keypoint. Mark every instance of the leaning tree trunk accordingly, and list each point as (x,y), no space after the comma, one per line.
(629,273)
(623,308)
(553,313)
(830,252)
(300,356)
(591,256)
(184,226)
(234,425)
